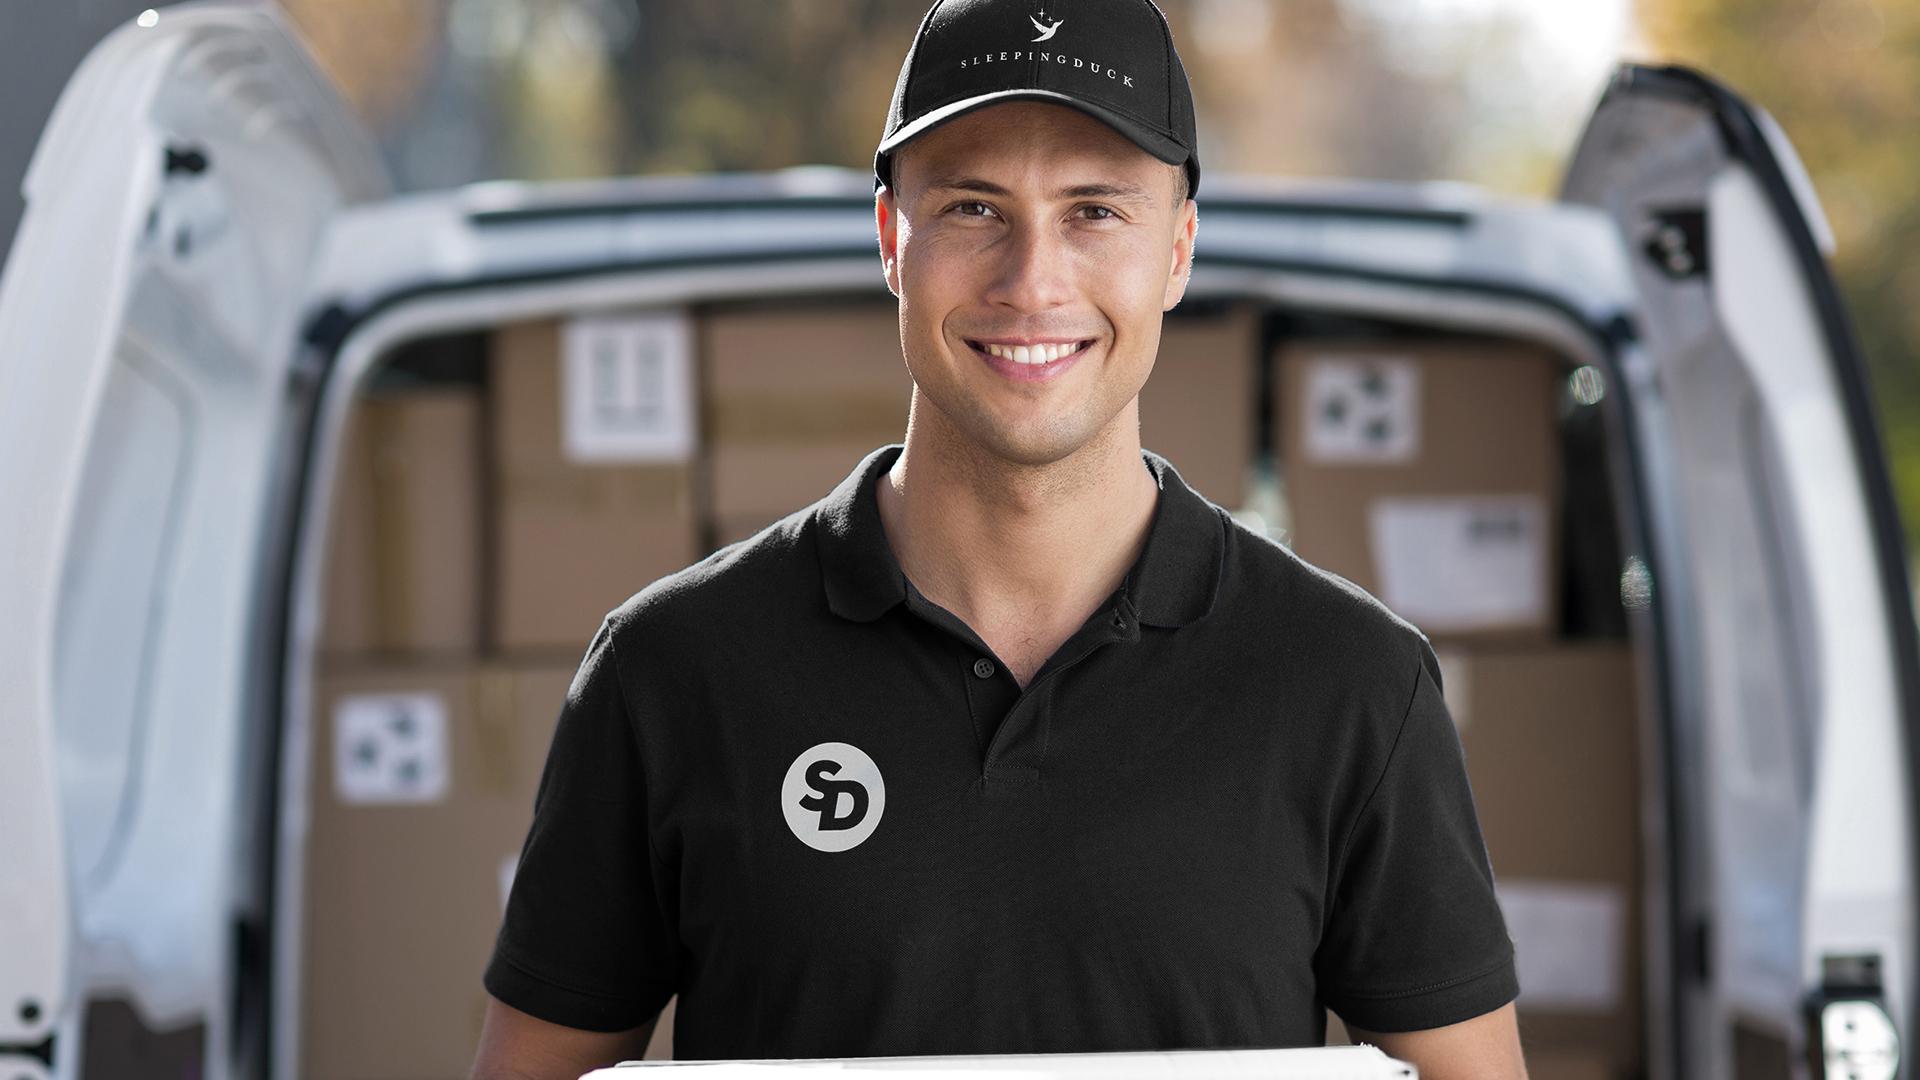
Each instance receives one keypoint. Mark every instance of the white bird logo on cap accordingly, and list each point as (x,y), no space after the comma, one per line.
(1046,31)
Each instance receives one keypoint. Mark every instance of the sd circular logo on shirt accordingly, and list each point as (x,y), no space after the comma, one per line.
(833,797)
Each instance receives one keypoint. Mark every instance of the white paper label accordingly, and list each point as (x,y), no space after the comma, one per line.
(390,748)
(1456,686)
(1567,938)
(1461,563)
(1361,410)
(627,388)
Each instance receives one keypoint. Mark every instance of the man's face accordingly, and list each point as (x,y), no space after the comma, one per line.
(1029,224)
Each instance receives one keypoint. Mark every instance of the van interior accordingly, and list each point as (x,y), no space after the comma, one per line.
(495,491)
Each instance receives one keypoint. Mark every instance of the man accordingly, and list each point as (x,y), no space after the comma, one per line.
(1012,742)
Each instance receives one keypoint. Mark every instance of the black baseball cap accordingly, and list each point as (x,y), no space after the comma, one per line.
(1111,59)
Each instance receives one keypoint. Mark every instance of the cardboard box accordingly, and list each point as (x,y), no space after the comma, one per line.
(1198,408)
(795,398)
(403,552)
(1551,736)
(407,868)
(1428,472)
(407,880)
(572,536)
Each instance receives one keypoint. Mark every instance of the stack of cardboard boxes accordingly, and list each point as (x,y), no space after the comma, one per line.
(482,525)
(480,528)
(1428,472)
(484,520)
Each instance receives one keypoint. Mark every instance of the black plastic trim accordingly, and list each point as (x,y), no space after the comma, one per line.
(41,1051)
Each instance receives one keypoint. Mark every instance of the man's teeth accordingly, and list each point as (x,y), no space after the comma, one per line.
(1032,354)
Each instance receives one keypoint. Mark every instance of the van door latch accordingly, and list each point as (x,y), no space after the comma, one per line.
(1850,1035)
(1677,242)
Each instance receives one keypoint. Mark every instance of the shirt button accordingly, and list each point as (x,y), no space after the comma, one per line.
(983,667)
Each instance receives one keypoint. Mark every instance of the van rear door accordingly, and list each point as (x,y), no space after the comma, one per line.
(147,320)
(1779,594)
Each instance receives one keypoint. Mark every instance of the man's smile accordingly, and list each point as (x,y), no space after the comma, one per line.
(1030,359)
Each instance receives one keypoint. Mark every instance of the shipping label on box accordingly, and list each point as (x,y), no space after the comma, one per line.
(1448,563)
(1568,941)
(627,393)
(1456,685)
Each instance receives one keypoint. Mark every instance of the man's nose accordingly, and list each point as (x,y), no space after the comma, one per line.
(1035,269)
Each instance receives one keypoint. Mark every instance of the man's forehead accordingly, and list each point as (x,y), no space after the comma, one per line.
(1111,187)
(1032,147)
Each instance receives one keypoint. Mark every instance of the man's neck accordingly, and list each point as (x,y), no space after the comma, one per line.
(1002,544)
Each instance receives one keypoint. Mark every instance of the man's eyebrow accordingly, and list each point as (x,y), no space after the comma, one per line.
(1121,192)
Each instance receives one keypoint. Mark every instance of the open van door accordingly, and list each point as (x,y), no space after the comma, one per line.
(148,315)
(1780,603)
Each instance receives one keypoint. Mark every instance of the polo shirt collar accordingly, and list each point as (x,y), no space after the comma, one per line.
(1171,584)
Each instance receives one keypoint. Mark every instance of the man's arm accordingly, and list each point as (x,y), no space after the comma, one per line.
(516,1046)
(1486,1047)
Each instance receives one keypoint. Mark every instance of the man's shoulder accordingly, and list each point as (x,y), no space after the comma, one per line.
(738,583)
(1349,668)
(1310,610)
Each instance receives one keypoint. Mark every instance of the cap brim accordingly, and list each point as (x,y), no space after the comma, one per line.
(1155,142)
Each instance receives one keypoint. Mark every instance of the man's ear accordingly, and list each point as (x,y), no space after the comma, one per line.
(1180,267)
(886,221)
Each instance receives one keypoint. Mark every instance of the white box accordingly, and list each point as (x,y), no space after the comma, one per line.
(1307,1063)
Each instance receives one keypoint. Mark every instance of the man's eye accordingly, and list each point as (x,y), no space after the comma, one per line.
(1106,211)
(961,206)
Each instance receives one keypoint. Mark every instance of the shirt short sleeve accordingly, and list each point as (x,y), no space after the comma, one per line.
(586,941)
(1414,937)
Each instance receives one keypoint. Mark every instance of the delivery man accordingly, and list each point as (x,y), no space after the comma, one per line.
(1012,742)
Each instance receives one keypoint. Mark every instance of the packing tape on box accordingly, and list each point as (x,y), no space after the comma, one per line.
(775,417)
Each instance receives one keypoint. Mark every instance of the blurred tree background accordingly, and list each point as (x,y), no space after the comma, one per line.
(1491,92)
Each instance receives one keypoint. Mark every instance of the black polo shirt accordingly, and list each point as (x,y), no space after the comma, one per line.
(813,803)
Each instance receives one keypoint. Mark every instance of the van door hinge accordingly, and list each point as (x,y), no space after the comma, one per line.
(1850,1035)
(1699,958)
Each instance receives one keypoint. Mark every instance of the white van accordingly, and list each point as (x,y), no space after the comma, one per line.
(211,271)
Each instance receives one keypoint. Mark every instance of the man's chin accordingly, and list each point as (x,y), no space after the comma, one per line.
(1030,448)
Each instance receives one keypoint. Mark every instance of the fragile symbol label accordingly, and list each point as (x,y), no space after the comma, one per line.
(390,748)
(1361,410)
